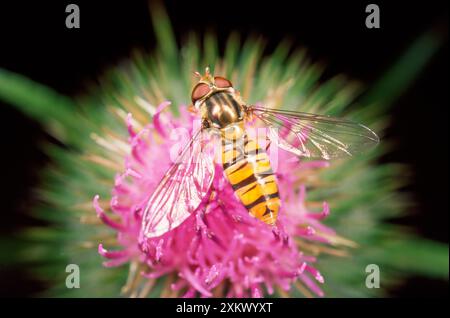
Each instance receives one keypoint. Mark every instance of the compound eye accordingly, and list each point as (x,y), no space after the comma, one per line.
(199,91)
(222,82)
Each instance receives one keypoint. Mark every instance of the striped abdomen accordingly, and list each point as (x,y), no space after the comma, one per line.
(247,168)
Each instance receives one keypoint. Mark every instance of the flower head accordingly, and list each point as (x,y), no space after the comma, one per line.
(220,250)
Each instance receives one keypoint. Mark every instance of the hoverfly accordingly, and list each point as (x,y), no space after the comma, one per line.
(245,164)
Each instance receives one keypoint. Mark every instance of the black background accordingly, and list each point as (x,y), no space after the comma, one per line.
(35,42)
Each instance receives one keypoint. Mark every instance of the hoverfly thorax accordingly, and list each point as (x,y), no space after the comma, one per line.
(217,101)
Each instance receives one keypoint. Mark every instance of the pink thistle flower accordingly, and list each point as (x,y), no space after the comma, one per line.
(220,250)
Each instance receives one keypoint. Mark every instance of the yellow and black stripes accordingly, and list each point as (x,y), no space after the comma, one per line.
(247,168)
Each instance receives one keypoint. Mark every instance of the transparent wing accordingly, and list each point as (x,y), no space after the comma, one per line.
(315,136)
(181,190)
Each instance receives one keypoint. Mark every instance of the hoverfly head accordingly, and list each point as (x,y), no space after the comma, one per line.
(208,85)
